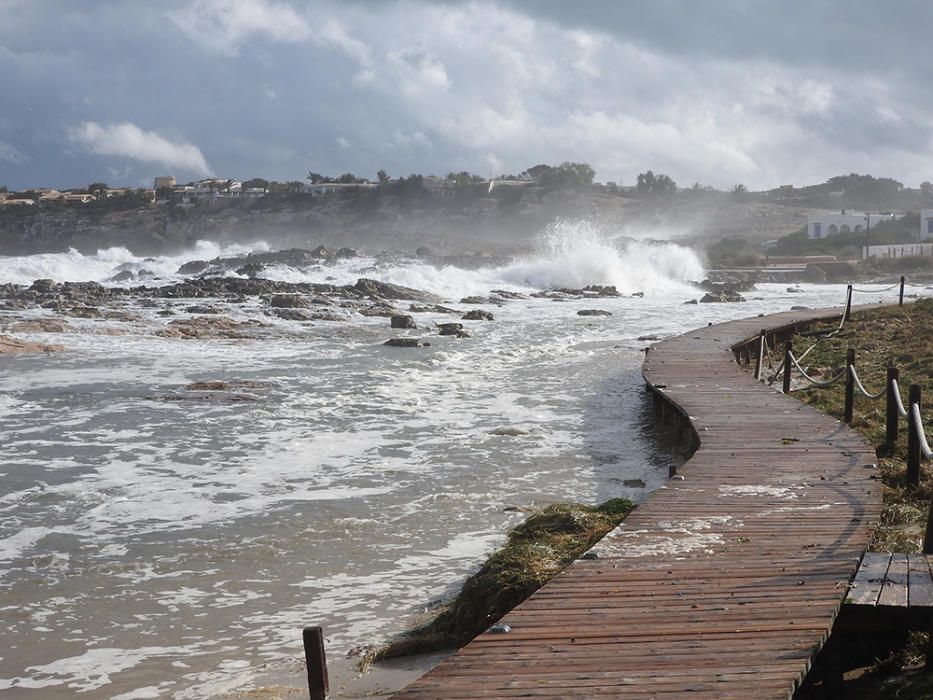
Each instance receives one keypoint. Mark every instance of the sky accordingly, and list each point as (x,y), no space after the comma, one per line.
(720,93)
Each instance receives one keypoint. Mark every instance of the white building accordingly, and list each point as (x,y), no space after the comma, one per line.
(830,224)
(926,224)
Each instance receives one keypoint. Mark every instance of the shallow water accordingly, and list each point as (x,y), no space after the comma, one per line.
(174,548)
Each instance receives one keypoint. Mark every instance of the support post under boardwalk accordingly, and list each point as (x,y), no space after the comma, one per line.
(850,386)
(845,314)
(913,438)
(900,296)
(892,415)
(318,684)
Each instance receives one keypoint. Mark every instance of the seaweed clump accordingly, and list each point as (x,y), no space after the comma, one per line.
(536,551)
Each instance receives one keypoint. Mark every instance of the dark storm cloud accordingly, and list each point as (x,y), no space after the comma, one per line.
(760,93)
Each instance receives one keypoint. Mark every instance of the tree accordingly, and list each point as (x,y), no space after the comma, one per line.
(3,189)
(568,175)
(316,178)
(256,182)
(349,179)
(739,190)
(96,187)
(651,184)
(383,177)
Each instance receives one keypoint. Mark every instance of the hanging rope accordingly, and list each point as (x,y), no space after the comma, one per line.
(897,398)
(861,387)
(875,291)
(816,382)
(918,424)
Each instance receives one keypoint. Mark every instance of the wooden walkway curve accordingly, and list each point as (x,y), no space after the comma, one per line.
(725,582)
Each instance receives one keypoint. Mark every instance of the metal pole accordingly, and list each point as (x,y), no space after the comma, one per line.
(892,417)
(850,386)
(900,297)
(913,438)
(788,362)
(316,662)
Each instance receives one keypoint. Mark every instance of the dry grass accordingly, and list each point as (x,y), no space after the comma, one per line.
(900,337)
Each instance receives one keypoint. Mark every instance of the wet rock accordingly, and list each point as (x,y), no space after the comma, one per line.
(404,342)
(292,314)
(800,308)
(379,310)
(634,483)
(393,291)
(403,321)
(15,346)
(477,300)
(43,286)
(202,309)
(433,308)
(449,328)
(288,301)
(648,337)
(226,385)
(42,325)
(477,315)
(210,328)
(84,312)
(327,316)
(794,290)
(721,297)
(124,276)
(691,301)
(638,295)
(193,267)
(165,312)
(506,294)
(464,334)
(593,312)
(509,431)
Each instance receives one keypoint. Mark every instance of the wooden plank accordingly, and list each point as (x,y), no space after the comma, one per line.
(869,580)
(894,591)
(920,589)
(722,585)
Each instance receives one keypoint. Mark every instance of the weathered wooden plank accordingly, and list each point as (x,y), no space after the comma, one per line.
(894,590)
(869,580)
(920,590)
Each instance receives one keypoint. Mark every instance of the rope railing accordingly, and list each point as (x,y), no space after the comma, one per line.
(861,387)
(917,424)
(896,391)
(876,291)
(811,380)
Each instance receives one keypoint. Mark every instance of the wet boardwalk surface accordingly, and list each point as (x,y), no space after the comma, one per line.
(722,584)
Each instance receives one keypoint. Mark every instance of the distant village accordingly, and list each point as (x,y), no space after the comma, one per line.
(829,221)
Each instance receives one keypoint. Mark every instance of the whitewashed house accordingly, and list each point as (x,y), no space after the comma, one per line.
(830,224)
(926,224)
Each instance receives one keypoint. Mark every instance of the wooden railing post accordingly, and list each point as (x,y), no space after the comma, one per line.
(850,386)
(788,363)
(761,354)
(845,314)
(900,297)
(892,415)
(928,539)
(318,684)
(913,438)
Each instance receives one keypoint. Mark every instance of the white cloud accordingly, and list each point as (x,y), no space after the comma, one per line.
(222,25)
(342,142)
(127,140)
(11,154)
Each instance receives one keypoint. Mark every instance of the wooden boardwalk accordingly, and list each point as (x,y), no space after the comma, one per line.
(725,582)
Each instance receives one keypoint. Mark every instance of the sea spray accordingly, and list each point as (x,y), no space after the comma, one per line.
(579,253)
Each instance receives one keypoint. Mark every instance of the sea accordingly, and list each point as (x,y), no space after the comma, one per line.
(157,546)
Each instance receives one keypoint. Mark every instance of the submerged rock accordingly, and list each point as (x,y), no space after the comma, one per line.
(15,346)
(292,314)
(509,431)
(288,301)
(403,321)
(721,297)
(41,325)
(593,312)
(477,315)
(392,291)
(210,328)
(450,328)
(404,343)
